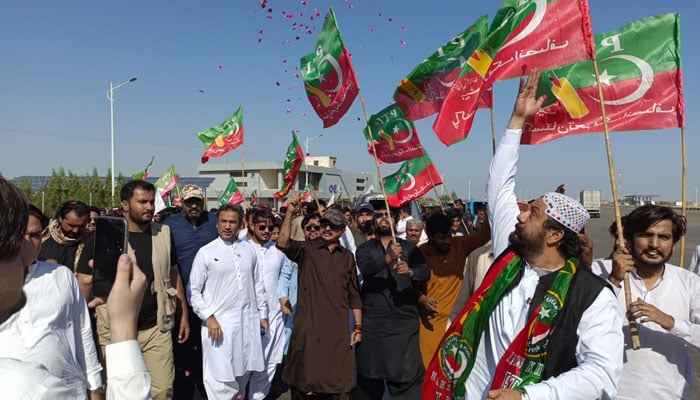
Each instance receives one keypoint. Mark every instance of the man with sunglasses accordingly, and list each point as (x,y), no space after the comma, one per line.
(320,361)
(191,229)
(270,260)
(389,355)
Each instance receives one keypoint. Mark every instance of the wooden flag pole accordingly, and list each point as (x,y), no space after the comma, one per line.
(244,181)
(683,194)
(376,160)
(634,333)
(493,131)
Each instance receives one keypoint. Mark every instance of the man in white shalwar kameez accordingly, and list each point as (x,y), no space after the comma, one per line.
(270,261)
(227,292)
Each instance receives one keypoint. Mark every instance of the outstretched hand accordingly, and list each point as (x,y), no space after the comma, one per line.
(526,104)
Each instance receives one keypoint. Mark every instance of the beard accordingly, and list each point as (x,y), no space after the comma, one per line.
(658,264)
(526,246)
(383,231)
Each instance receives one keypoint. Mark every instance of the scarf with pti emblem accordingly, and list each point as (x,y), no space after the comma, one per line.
(524,360)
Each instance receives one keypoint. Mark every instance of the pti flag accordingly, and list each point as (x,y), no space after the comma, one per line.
(141,176)
(395,136)
(518,28)
(254,197)
(414,179)
(223,138)
(231,194)
(307,195)
(329,79)
(420,94)
(640,76)
(292,164)
(166,184)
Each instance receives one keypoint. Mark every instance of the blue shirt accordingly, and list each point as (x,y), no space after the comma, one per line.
(188,239)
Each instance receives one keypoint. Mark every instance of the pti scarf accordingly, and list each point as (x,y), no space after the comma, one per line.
(524,360)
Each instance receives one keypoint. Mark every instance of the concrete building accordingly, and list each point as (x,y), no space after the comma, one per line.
(267,178)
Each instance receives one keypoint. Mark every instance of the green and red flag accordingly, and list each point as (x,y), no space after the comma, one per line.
(524,34)
(307,195)
(329,78)
(141,176)
(223,138)
(292,163)
(395,136)
(414,179)
(166,184)
(640,76)
(421,92)
(254,197)
(231,194)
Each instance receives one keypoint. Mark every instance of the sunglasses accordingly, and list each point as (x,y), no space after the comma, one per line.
(312,228)
(325,224)
(381,215)
(268,228)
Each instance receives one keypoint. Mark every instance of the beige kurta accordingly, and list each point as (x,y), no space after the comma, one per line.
(446,276)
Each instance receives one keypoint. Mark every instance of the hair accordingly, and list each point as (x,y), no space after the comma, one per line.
(235,208)
(36,212)
(258,214)
(346,209)
(438,223)
(452,213)
(405,208)
(641,218)
(14,214)
(276,221)
(570,245)
(94,209)
(309,217)
(127,191)
(73,206)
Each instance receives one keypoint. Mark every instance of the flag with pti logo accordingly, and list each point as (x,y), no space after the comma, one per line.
(329,79)
(414,179)
(141,176)
(292,164)
(640,77)
(395,136)
(231,194)
(223,138)
(420,94)
(524,35)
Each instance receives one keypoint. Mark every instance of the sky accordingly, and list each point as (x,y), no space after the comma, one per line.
(196,62)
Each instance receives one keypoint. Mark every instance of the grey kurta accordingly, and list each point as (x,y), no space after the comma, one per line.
(389,349)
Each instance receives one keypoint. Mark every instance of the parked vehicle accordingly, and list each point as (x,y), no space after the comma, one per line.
(590,199)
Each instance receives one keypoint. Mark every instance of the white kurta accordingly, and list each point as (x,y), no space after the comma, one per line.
(226,282)
(662,367)
(599,347)
(270,260)
(53,329)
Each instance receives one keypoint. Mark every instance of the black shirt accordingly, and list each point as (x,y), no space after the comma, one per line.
(143,248)
(64,255)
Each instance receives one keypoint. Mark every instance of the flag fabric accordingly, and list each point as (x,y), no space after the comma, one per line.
(141,176)
(528,34)
(254,197)
(641,79)
(292,163)
(486,98)
(231,194)
(223,138)
(414,179)
(166,184)
(331,200)
(395,136)
(421,92)
(307,195)
(329,78)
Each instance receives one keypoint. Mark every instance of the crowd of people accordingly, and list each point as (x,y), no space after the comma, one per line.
(361,303)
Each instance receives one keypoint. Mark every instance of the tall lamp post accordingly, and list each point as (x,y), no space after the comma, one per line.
(110,97)
(307,140)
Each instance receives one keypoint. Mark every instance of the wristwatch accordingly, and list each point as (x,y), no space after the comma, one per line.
(99,390)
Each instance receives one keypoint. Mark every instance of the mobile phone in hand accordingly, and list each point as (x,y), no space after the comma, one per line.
(111,239)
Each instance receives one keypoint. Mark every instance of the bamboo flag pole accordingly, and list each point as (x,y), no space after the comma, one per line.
(493,131)
(683,193)
(376,160)
(634,333)
(245,181)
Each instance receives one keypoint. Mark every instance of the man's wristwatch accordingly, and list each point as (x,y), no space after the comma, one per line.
(99,390)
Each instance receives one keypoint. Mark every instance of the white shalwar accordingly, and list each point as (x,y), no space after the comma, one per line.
(599,347)
(662,368)
(53,329)
(227,283)
(270,260)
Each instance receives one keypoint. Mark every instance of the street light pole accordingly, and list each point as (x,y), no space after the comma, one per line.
(110,97)
(306,153)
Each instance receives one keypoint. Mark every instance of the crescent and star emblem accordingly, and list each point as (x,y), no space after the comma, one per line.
(647,80)
(413,181)
(540,11)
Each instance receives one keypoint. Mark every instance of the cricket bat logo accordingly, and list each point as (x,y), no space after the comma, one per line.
(566,94)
